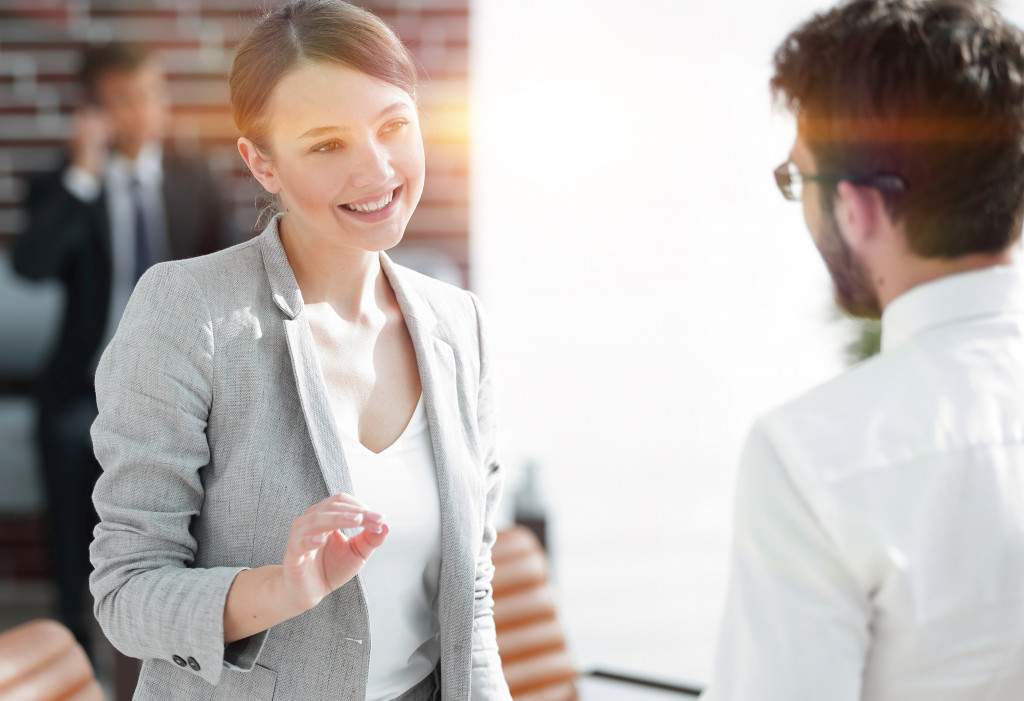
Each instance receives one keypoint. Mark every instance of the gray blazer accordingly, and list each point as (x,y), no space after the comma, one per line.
(215,432)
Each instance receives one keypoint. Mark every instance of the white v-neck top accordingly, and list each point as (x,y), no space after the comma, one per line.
(401,578)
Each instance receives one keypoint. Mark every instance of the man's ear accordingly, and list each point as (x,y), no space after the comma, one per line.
(860,213)
(259,165)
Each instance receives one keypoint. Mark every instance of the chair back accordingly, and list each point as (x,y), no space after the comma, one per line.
(530,640)
(41,661)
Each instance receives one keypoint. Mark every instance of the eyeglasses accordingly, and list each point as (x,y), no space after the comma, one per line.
(791,181)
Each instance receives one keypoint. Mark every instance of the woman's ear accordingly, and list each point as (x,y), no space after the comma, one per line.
(260,166)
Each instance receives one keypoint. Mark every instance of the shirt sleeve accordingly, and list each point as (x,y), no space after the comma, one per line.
(81,183)
(796,624)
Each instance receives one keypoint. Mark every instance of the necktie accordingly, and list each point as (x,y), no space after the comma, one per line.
(143,243)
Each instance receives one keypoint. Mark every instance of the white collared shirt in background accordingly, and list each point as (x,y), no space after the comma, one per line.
(116,183)
(879,519)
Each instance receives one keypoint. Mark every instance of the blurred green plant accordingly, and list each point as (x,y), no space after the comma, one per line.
(866,341)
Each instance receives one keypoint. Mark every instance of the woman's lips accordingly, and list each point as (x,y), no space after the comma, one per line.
(376,209)
(373,205)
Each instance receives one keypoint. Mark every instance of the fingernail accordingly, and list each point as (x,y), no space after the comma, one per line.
(319,538)
(376,529)
(356,517)
(379,518)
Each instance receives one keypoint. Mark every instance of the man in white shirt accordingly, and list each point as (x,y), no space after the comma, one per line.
(879,519)
(120,203)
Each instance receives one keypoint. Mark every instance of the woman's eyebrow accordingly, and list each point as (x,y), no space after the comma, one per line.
(320,131)
(394,107)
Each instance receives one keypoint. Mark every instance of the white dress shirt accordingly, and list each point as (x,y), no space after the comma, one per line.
(879,519)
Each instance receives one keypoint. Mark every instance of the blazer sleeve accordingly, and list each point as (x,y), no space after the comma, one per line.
(154,391)
(488,680)
(57,228)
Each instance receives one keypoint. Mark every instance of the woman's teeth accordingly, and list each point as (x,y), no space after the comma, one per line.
(371,206)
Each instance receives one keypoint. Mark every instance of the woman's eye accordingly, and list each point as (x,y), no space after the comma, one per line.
(395,125)
(329,146)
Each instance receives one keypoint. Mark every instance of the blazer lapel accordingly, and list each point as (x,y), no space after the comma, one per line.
(435,359)
(105,234)
(316,408)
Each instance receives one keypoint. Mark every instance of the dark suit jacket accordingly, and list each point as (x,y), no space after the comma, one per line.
(68,239)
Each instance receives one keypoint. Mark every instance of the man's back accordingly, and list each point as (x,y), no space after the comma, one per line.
(879,531)
(880,518)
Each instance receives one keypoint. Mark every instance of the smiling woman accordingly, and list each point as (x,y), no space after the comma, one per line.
(343,150)
(261,408)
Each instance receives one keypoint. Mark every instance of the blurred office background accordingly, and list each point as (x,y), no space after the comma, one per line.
(600,173)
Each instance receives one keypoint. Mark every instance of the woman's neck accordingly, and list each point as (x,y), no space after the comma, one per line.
(349,280)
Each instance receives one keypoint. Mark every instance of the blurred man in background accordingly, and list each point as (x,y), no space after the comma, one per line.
(879,528)
(122,202)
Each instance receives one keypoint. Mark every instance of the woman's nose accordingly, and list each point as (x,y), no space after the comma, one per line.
(372,165)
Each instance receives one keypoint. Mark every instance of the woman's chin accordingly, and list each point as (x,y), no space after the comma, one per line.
(382,241)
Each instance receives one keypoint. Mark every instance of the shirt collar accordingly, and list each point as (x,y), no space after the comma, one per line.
(952,298)
(147,165)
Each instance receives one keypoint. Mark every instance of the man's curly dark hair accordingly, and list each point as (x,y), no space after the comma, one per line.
(930,91)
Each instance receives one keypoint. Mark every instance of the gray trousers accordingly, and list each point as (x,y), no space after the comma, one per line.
(427,690)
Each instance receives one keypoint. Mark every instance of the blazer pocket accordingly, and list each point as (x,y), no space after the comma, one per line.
(258,684)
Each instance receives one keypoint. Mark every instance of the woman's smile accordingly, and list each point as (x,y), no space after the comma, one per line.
(374,208)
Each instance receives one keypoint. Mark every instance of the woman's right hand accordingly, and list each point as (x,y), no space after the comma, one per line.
(320,558)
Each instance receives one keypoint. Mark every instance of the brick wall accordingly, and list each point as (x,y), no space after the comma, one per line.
(39,43)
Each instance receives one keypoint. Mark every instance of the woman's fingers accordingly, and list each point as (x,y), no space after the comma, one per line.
(320,523)
(311,530)
(343,502)
(369,539)
(319,557)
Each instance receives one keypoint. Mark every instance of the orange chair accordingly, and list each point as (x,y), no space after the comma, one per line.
(530,640)
(42,661)
(536,663)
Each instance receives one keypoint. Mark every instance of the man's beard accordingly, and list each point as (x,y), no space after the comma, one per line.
(851,281)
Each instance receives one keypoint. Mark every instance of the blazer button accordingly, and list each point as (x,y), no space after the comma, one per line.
(179,660)
(193,664)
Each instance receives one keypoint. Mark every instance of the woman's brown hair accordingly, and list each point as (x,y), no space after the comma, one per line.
(304,32)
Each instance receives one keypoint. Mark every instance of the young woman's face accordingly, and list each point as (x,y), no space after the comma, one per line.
(346,155)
